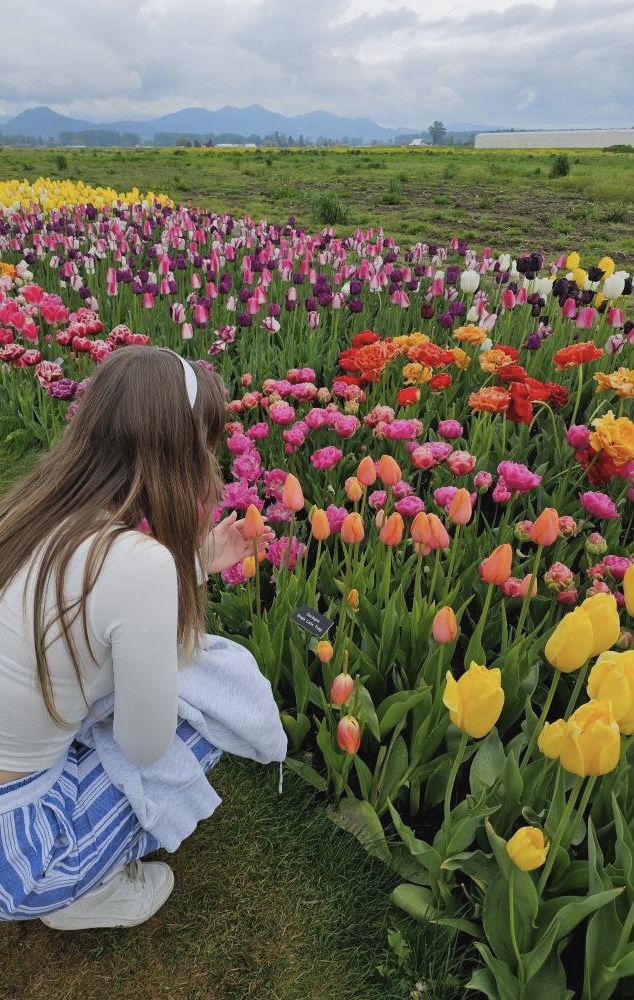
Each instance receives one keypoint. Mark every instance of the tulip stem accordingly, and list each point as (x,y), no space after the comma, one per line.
(521,974)
(432,585)
(581,676)
(585,798)
(257,578)
(542,718)
(554,844)
(578,396)
(524,611)
(450,783)
(387,572)
(452,559)
(485,611)
(316,570)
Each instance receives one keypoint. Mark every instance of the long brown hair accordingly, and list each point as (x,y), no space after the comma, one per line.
(135,448)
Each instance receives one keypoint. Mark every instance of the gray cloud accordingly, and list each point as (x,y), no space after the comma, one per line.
(516,64)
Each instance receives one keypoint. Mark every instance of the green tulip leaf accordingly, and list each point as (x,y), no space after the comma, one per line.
(307,773)
(360,819)
(488,763)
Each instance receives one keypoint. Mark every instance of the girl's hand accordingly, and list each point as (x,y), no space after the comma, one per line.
(225,545)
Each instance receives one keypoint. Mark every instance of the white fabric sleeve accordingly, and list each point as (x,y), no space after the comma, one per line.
(134,609)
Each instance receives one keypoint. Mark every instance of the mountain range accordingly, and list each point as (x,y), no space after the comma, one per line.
(44,123)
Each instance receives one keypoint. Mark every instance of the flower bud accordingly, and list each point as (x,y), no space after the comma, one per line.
(527,848)
(460,508)
(559,578)
(319,524)
(348,734)
(354,489)
(341,690)
(444,627)
(253,526)
(596,544)
(352,531)
(324,651)
(392,531)
(522,531)
(248,567)
(353,599)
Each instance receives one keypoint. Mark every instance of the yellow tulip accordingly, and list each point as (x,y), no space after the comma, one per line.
(604,617)
(592,742)
(573,260)
(571,643)
(475,700)
(607,265)
(579,276)
(628,590)
(612,678)
(527,848)
(551,738)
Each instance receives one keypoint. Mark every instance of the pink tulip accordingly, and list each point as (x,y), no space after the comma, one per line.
(508,298)
(586,318)
(148,300)
(570,309)
(615,317)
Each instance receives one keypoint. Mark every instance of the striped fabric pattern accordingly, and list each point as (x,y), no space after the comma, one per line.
(58,847)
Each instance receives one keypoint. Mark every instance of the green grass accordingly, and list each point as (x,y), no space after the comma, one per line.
(272,902)
(482,191)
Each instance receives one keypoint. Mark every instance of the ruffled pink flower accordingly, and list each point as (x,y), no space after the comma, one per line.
(599,505)
(444,495)
(281,554)
(617,566)
(567,526)
(439,449)
(336,516)
(258,432)
(559,577)
(239,496)
(274,480)
(461,463)
(345,425)
(294,436)
(567,597)
(326,458)
(482,480)
(316,419)
(578,437)
(234,575)
(409,506)
(377,499)
(450,429)
(277,513)
(598,587)
(297,375)
(517,477)
(501,492)
(379,414)
(304,392)
(424,458)
(402,430)
(513,587)
(401,490)
(247,466)
(281,413)
(238,444)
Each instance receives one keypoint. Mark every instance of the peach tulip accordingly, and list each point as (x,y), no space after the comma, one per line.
(389,471)
(445,627)
(392,530)
(248,567)
(352,531)
(496,568)
(342,688)
(324,651)
(545,530)
(439,537)
(366,473)
(348,734)
(420,529)
(354,489)
(319,525)
(460,508)
(253,526)
(292,496)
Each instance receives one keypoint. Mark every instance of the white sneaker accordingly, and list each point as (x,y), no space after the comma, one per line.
(126,899)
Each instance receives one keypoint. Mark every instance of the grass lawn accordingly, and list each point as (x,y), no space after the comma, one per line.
(500,198)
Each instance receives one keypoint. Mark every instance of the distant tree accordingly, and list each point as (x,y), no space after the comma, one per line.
(437,132)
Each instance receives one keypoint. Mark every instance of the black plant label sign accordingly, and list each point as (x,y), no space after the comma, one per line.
(311,621)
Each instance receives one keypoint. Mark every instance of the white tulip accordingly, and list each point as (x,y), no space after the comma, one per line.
(505,261)
(614,285)
(473,315)
(486,345)
(469,281)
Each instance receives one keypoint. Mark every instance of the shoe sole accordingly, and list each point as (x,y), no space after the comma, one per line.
(88,923)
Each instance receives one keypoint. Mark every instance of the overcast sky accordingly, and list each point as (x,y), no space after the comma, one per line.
(401,62)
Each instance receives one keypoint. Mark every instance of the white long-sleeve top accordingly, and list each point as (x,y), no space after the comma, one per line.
(132,615)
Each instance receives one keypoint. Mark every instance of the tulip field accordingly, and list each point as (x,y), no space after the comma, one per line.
(442,437)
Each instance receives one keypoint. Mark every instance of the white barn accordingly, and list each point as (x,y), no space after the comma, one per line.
(591,138)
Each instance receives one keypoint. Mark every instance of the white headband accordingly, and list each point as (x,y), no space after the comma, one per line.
(191,382)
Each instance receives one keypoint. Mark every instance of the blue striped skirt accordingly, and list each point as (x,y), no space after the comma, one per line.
(64,830)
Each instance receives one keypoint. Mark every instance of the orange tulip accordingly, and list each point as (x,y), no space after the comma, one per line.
(324,651)
(439,537)
(292,496)
(379,518)
(354,489)
(496,568)
(460,508)
(445,627)
(353,599)
(420,529)
(366,473)
(342,688)
(348,734)
(545,530)
(248,567)
(392,531)
(352,529)
(319,525)
(389,471)
(253,526)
